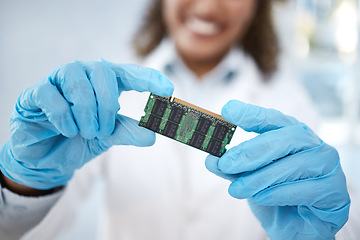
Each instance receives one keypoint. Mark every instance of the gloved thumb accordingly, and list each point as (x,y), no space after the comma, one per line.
(254,118)
(128,132)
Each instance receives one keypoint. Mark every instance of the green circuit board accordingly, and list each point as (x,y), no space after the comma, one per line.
(187,123)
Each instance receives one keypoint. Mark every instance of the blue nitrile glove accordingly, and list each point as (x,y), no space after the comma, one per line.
(293,181)
(70,117)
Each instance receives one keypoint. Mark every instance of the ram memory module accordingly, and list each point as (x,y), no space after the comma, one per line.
(187,123)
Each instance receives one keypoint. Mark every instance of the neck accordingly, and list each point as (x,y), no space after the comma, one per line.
(201,67)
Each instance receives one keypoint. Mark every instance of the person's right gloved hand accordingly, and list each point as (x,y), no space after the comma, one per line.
(293,180)
(70,117)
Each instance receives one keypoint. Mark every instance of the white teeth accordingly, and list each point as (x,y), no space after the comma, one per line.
(202,27)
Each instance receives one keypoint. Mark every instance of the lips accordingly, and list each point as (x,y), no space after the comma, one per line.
(202,27)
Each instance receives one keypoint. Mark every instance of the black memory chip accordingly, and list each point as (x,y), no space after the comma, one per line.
(176,114)
(214,147)
(197,140)
(203,125)
(170,129)
(220,132)
(153,123)
(159,108)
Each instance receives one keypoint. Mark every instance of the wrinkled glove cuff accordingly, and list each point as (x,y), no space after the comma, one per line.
(30,177)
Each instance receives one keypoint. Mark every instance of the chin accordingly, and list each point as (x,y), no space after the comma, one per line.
(201,53)
(199,56)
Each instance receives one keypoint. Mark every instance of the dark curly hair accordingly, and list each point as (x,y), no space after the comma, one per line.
(260,41)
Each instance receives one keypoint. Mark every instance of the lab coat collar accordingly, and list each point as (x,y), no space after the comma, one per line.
(166,59)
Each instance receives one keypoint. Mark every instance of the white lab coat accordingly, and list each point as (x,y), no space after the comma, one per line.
(165,191)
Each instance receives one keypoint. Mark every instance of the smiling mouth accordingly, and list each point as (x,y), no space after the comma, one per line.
(202,27)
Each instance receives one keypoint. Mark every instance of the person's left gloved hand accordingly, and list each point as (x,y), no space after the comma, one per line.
(292,179)
(70,117)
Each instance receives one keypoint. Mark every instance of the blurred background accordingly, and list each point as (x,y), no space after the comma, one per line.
(320,40)
(322,44)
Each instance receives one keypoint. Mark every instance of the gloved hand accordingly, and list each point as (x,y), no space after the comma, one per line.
(292,179)
(70,117)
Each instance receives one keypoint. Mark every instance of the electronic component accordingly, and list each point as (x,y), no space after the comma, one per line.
(170,129)
(153,123)
(188,124)
(197,140)
(159,108)
(176,114)
(213,146)
(203,125)
(219,132)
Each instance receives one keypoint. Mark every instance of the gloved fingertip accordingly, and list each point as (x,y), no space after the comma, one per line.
(167,87)
(67,128)
(90,131)
(148,139)
(103,134)
(226,165)
(106,129)
(139,137)
(235,190)
(107,63)
(231,110)
(70,133)
(88,136)
(211,163)
(128,132)
(164,86)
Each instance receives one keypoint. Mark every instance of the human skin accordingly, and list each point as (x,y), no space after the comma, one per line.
(21,189)
(204,30)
